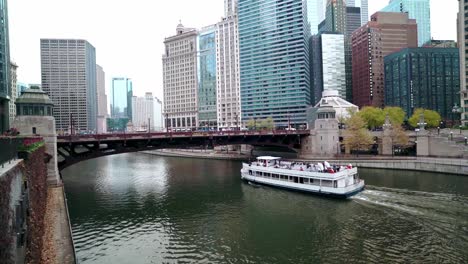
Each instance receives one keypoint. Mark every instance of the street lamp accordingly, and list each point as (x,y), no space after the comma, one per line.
(460,129)
(466,141)
(455,110)
(451,135)
(438,131)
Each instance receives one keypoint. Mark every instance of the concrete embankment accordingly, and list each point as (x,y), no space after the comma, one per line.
(442,165)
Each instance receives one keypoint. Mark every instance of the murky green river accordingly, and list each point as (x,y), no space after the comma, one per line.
(139,208)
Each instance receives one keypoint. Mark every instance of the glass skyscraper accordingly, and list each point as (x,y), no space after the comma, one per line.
(207,77)
(121,98)
(5,92)
(423,78)
(274,60)
(416,9)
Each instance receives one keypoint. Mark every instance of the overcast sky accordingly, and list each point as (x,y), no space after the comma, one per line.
(128,35)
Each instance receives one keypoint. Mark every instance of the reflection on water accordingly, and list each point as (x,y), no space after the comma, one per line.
(137,208)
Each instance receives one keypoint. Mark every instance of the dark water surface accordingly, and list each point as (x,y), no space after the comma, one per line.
(138,208)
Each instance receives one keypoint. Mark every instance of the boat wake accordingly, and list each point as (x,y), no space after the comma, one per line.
(439,209)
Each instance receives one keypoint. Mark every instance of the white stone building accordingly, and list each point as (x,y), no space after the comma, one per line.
(228,106)
(143,112)
(180,82)
(158,124)
(13,80)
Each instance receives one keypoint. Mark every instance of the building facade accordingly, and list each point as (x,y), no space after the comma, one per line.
(416,9)
(143,112)
(102,100)
(333,63)
(180,82)
(426,78)
(353,22)
(68,68)
(158,115)
(228,106)
(384,34)
(274,60)
(13,84)
(335,17)
(463,49)
(121,97)
(316,14)
(207,77)
(20,88)
(5,92)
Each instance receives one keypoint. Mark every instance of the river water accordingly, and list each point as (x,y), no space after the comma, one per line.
(139,208)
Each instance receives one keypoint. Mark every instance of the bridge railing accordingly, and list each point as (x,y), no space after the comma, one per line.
(121,136)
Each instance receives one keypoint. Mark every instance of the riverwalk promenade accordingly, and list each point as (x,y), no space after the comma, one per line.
(442,165)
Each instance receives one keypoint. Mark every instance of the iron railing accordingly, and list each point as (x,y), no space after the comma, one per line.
(9,147)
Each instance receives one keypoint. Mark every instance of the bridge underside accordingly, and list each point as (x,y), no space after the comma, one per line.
(71,152)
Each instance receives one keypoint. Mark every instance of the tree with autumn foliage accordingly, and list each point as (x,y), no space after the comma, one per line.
(357,136)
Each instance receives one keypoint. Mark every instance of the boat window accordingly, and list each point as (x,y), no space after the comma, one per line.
(267,174)
(259,173)
(274,175)
(250,172)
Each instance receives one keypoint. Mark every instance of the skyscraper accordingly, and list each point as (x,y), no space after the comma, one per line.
(5,92)
(416,9)
(384,34)
(121,98)
(463,48)
(143,112)
(364,12)
(315,14)
(335,17)
(333,63)
(13,76)
(102,99)
(207,77)
(228,106)
(353,22)
(274,60)
(68,68)
(423,78)
(180,83)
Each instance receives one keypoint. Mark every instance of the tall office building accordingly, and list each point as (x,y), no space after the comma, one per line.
(102,100)
(416,9)
(207,77)
(68,68)
(274,60)
(5,92)
(335,17)
(143,112)
(353,22)
(333,63)
(228,107)
(364,12)
(463,48)
(328,59)
(423,78)
(13,79)
(384,34)
(315,14)
(180,79)
(121,98)
(158,123)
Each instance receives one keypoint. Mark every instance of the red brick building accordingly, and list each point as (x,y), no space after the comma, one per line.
(383,35)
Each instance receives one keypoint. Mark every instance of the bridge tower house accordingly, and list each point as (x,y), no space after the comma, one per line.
(34,118)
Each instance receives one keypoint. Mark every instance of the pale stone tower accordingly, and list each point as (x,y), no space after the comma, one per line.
(34,118)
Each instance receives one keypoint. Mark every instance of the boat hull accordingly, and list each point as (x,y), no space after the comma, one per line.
(316,190)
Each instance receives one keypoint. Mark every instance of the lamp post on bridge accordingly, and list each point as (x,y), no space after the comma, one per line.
(456,110)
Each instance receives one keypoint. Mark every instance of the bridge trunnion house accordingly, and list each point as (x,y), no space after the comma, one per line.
(34,118)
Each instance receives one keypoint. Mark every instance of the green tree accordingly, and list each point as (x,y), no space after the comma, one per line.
(396,114)
(432,118)
(372,116)
(251,124)
(356,136)
(268,123)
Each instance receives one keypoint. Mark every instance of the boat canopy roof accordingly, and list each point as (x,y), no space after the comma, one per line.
(268,158)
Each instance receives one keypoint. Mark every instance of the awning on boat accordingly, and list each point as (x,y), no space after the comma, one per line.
(268,158)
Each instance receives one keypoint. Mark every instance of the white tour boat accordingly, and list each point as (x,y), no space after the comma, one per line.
(342,181)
